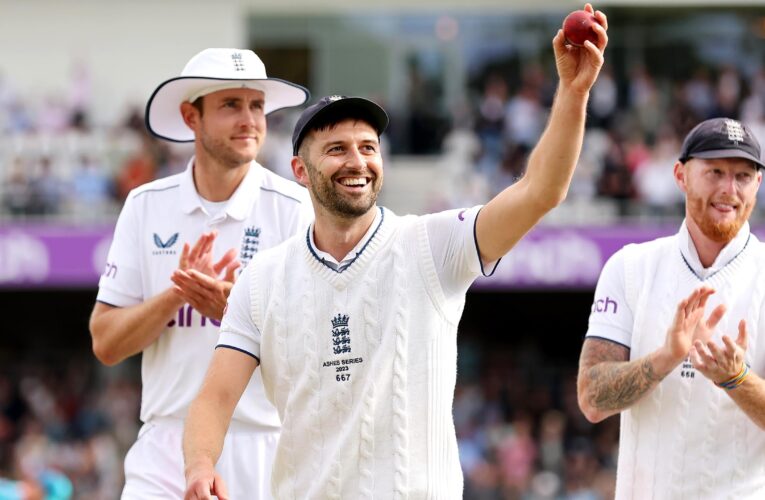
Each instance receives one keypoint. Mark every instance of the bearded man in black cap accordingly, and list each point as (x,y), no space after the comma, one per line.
(354,322)
(691,397)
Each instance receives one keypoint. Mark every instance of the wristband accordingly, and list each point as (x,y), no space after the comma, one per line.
(736,380)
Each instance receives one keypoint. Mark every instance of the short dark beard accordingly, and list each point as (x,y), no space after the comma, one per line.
(323,190)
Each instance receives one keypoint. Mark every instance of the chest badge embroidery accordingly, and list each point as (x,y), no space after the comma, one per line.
(250,244)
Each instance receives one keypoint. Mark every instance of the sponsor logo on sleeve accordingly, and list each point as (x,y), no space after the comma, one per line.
(110,270)
(606,305)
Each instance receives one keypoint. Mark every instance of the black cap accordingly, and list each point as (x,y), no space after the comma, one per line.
(339,107)
(721,138)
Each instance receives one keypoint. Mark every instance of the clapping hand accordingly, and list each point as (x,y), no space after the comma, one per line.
(720,363)
(689,325)
(198,279)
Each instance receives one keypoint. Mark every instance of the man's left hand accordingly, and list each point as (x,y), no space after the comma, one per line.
(205,292)
(720,363)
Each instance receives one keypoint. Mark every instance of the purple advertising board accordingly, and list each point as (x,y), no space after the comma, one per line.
(548,257)
(52,256)
(564,257)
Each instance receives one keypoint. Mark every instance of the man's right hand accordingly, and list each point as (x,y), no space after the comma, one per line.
(204,430)
(687,327)
(199,257)
(197,279)
(202,482)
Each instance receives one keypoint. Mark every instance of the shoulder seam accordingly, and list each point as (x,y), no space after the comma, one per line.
(270,190)
(605,339)
(136,195)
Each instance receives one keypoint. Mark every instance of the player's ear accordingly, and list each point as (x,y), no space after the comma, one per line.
(300,171)
(680,173)
(190,115)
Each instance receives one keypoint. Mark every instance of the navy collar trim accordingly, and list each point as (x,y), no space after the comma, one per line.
(688,265)
(358,254)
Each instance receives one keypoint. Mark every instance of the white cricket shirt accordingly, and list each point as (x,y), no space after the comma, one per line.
(157,219)
(361,360)
(686,438)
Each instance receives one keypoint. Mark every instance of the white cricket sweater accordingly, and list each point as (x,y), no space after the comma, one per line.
(687,438)
(362,372)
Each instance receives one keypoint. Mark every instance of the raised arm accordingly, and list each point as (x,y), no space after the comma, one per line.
(208,420)
(608,383)
(514,211)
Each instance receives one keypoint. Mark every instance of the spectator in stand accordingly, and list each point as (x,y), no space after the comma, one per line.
(604,99)
(525,117)
(615,181)
(46,190)
(491,123)
(644,100)
(728,92)
(655,189)
(700,94)
(137,170)
(15,190)
(91,188)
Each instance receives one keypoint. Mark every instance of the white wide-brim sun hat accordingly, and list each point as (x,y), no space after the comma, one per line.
(209,71)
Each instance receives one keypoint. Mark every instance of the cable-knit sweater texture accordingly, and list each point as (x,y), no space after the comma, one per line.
(361,368)
(687,438)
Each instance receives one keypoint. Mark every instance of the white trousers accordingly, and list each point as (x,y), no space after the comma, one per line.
(154,464)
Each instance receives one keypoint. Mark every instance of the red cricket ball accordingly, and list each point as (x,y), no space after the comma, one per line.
(577,28)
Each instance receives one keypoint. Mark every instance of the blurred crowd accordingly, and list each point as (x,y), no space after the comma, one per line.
(634,132)
(54,163)
(65,428)
(520,432)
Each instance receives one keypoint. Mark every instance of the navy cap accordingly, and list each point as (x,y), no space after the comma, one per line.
(721,138)
(336,108)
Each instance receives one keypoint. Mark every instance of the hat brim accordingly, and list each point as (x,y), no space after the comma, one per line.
(378,116)
(727,153)
(163,115)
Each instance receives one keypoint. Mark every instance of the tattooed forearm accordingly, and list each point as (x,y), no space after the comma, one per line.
(618,385)
(608,382)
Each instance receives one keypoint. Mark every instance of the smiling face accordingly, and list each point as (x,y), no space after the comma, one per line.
(342,167)
(720,194)
(229,126)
